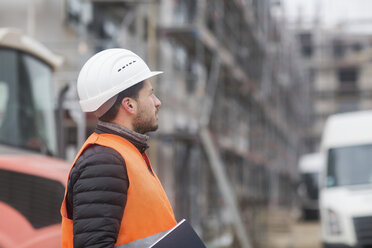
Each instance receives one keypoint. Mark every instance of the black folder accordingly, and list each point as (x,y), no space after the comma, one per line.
(181,236)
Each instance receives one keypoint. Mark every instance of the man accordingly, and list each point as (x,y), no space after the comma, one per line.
(113,196)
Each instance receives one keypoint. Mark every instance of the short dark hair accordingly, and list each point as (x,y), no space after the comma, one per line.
(131,92)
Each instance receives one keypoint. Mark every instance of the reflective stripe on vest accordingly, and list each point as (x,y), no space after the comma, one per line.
(147,211)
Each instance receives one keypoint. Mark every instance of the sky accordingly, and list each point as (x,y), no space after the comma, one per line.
(332,12)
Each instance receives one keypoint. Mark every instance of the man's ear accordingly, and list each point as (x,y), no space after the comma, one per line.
(129,105)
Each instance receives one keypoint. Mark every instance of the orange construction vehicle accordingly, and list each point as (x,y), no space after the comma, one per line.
(32,181)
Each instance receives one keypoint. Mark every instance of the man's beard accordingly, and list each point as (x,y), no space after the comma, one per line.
(143,125)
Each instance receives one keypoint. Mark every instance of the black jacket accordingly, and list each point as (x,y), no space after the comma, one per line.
(97,194)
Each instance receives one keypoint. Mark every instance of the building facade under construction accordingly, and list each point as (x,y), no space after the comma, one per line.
(338,65)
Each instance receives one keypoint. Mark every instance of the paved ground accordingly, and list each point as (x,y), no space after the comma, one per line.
(297,235)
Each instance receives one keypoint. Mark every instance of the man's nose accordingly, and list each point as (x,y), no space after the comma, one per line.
(157,102)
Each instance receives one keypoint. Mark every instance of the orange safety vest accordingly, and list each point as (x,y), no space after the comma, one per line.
(147,210)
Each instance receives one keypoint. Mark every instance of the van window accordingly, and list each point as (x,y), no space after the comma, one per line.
(349,166)
(26,102)
(311,182)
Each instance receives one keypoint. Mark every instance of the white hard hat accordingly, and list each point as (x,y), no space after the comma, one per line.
(108,73)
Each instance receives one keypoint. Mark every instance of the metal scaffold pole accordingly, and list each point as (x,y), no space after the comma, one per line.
(214,157)
(219,171)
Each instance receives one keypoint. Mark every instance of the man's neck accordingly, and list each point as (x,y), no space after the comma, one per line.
(139,140)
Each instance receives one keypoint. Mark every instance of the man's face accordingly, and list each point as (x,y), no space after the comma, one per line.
(146,119)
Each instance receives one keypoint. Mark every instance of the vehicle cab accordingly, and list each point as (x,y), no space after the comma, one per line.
(346,186)
(32,181)
(310,167)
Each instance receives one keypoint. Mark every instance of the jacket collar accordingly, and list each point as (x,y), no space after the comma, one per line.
(137,139)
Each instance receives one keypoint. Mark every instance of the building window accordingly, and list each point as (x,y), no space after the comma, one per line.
(357,47)
(306,44)
(338,49)
(78,12)
(348,77)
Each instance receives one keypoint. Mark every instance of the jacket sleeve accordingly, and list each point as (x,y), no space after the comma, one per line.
(99,185)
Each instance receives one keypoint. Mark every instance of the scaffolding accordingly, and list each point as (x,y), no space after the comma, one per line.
(252,109)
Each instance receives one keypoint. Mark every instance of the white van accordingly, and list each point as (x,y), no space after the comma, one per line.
(346,182)
(310,167)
